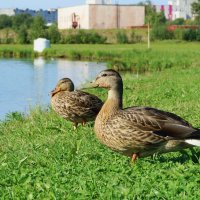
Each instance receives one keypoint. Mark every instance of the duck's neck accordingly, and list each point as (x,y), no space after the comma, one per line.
(113,102)
(115,95)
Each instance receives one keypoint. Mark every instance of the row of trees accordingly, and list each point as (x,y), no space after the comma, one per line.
(27,28)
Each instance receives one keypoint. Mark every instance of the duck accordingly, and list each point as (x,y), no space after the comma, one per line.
(74,105)
(138,131)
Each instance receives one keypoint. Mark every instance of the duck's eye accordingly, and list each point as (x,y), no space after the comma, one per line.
(104,74)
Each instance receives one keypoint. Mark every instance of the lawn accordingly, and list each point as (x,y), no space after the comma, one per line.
(41,157)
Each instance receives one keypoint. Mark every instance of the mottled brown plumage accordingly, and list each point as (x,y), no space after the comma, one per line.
(74,105)
(140,131)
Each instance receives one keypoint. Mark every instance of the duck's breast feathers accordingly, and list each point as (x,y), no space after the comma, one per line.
(161,123)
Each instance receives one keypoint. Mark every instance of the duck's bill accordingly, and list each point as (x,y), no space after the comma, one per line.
(56,90)
(92,84)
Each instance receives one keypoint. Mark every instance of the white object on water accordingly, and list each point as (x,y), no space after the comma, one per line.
(40,44)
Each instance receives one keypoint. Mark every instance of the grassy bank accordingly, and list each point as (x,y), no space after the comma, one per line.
(17,51)
(42,158)
(135,57)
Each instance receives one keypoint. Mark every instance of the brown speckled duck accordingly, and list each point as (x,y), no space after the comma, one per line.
(138,131)
(74,105)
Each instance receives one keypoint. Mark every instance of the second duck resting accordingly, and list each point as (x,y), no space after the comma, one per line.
(74,105)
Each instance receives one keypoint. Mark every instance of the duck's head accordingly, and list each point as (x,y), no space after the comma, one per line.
(109,79)
(64,84)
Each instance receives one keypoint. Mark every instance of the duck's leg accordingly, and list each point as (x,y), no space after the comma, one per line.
(75,126)
(83,123)
(134,157)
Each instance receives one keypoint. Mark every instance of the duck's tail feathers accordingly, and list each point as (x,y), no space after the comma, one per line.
(194,142)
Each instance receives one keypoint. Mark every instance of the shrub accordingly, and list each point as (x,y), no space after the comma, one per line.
(83,37)
(189,35)
(178,21)
(122,38)
(7,41)
(7,36)
(178,34)
(160,32)
(96,38)
(135,38)
(198,35)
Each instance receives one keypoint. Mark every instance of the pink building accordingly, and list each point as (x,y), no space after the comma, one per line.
(167,9)
(177,9)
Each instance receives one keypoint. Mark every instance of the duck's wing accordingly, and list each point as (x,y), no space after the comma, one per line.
(88,100)
(81,103)
(159,123)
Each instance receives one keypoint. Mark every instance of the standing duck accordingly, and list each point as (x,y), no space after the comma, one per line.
(138,131)
(74,105)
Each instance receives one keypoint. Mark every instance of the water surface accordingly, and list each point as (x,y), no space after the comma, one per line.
(25,83)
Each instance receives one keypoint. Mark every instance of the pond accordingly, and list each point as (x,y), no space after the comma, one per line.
(25,83)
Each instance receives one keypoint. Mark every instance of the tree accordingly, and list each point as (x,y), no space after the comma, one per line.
(53,34)
(151,16)
(21,19)
(160,18)
(5,21)
(196,10)
(22,35)
(38,28)
(149,11)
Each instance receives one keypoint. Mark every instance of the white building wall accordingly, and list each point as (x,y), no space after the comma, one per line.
(115,16)
(102,16)
(65,17)
(131,16)
(99,2)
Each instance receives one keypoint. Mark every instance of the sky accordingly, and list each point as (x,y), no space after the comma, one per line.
(45,4)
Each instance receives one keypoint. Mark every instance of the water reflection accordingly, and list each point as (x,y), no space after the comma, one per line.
(28,82)
(79,72)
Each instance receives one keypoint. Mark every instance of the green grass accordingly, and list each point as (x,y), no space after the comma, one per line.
(41,157)
(17,51)
(134,57)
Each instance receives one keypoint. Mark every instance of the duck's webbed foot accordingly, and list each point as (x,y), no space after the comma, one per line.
(83,123)
(134,157)
(75,126)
